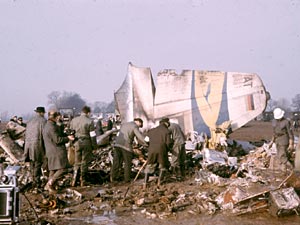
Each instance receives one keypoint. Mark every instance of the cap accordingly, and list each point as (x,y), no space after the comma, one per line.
(278,113)
(139,120)
(165,120)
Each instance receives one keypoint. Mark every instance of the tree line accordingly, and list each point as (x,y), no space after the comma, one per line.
(285,104)
(65,99)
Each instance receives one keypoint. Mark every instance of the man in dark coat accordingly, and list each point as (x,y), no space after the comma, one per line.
(123,148)
(86,135)
(34,149)
(56,151)
(159,145)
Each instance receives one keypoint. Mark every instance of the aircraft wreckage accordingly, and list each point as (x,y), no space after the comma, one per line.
(197,100)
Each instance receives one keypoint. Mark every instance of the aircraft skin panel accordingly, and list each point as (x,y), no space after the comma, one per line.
(246,98)
(211,96)
(197,100)
(124,99)
(135,98)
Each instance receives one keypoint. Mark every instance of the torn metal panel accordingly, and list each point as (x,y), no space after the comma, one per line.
(213,156)
(197,100)
(135,97)
(284,202)
(11,148)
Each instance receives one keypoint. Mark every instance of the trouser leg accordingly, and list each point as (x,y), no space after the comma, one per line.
(146,179)
(128,164)
(36,172)
(284,164)
(77,163)
(161,177)
(58,174)
(117,164)
(182,161)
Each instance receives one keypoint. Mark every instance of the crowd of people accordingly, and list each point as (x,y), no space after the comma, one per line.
(45,147)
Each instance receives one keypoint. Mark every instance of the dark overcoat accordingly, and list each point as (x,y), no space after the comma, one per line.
(159,145)
(34,143)
(56,152)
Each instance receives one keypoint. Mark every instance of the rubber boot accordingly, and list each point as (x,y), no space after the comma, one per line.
(161,177)
(74,179)
(178,174)
(146,181)
(182,171)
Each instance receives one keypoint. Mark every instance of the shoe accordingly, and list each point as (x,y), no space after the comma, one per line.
(50,188)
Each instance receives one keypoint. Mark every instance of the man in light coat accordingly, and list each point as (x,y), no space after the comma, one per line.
(86,142)
(123,148)
(34,148)
(283,137)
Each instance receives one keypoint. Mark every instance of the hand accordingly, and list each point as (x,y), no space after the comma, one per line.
(290,148)
(71,137)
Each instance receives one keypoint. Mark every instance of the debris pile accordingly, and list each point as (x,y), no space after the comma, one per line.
(236,180)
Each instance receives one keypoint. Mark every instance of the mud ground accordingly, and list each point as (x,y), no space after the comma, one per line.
(92,209)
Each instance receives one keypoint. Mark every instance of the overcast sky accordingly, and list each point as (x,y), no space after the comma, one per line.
(84,46)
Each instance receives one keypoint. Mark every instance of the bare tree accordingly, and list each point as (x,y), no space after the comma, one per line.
(296,102)
(54,98)
(66,100)
(271,105)
(284,104)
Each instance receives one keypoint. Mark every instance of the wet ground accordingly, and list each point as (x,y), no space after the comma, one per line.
(107,204)
(93,210)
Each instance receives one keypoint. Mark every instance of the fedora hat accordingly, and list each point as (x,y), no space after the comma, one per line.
(40,109)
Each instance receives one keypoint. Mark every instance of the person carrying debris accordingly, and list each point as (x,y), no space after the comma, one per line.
(123,151)
(159,145)
(85,134)
(283,137)
(178,151)
(34,149)
(56,151)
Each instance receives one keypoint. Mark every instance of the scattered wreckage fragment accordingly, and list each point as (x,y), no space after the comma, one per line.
(12,141)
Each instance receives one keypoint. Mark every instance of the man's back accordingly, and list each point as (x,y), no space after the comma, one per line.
(83,125)
(34,129)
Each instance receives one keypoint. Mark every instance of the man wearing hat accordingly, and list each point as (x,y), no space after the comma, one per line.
(123,148)
(159,145)
(283,137)
(56,151)
(34,149)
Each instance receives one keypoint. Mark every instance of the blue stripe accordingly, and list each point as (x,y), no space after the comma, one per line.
(224,113)
(198,122)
